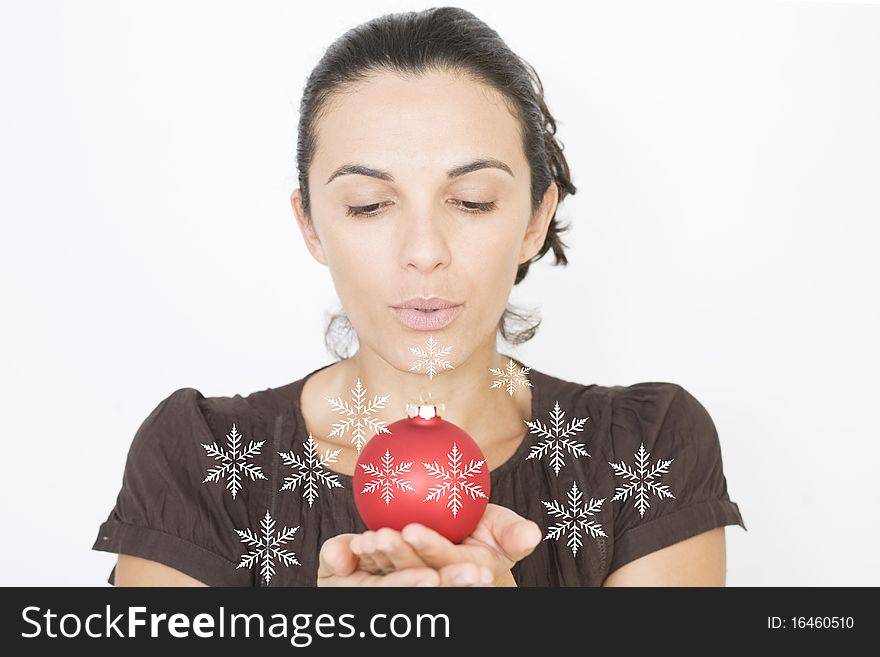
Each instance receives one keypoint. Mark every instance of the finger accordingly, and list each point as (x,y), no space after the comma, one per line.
(465,574)
(433,548)
(336,558)
(368,564)
(382,544)
(396,552)
(385,550)
(364,546)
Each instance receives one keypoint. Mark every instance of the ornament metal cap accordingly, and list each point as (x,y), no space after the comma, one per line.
(425,409)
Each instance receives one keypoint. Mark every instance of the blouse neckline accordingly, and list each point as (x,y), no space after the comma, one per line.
(516,458)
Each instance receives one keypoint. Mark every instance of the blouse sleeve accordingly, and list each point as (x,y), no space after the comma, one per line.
(669,482)
(162,511)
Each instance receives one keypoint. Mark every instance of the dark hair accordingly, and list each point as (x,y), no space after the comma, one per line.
(447,39)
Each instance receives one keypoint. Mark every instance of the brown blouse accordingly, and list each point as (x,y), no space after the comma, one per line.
(609,473)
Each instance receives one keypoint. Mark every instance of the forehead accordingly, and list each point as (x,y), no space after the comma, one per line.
(418,123)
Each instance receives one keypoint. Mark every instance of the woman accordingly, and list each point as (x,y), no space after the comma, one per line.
(430,176)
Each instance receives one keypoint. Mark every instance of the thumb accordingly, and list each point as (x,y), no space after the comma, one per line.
(520,538)
(336,557)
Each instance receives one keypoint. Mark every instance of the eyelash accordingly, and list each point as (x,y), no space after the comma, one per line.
(359,211)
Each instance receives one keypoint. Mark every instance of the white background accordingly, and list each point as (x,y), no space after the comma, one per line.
(727,156)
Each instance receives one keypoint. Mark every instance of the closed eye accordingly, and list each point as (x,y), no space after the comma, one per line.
(468,207)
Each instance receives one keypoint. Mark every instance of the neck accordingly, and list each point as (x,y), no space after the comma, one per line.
(466,390)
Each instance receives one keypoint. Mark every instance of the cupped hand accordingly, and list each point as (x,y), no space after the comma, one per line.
(340,566)
(501,539)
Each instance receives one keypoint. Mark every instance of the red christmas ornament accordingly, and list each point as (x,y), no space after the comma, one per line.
(426,470)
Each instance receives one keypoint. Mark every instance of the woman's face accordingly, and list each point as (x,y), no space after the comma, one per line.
(421,236)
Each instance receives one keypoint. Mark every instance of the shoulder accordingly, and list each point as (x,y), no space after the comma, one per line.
(651,392)
(667,469)
(650,414)
(661,413)
(661,428)
(639,406)
(574,396)
(655,397)
(179,412)
(187,416)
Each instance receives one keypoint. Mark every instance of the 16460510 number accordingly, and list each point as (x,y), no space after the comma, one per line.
(810,622)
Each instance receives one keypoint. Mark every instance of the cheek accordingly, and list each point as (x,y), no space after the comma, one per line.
(358,284)
(357,261)
(492,252)
(490,266)
(364,269)
(352,248)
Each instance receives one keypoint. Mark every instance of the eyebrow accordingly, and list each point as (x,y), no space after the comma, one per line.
(455,172)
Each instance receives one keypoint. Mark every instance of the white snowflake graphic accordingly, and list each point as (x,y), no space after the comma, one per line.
(359,417)
(510,378)
(454,481)
(432,359)
(642,480)
(310,470)
(574,518)
(386,478)
(234,461)
(266,546)
(558,440)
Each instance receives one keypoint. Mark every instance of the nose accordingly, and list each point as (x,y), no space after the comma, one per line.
(424,244)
